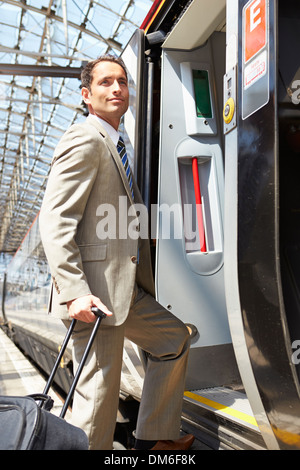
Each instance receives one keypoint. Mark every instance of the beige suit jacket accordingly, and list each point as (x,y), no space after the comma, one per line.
(86,174)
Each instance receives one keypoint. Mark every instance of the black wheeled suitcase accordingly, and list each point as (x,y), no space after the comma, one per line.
(26,422)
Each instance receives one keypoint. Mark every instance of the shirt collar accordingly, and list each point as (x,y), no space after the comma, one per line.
(113,134)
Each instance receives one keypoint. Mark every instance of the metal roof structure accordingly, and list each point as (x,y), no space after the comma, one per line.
(43,45)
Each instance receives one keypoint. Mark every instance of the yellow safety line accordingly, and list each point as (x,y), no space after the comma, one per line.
(225,409)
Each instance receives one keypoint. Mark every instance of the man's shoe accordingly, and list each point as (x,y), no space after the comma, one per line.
(184,443)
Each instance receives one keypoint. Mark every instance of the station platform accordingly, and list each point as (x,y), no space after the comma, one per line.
(18,377)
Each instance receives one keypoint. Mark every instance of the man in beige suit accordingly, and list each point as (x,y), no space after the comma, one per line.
(113,273)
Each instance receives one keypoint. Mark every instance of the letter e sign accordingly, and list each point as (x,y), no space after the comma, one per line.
(255,28)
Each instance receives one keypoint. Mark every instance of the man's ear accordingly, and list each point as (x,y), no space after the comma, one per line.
(85,95)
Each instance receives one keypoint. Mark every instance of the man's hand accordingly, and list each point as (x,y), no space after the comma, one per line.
(80,308)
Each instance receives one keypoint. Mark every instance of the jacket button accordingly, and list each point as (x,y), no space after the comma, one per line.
(134,259)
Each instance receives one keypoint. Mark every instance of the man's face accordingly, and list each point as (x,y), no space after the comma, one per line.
(109,95)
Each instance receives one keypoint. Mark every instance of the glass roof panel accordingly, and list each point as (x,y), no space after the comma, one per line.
(36,110)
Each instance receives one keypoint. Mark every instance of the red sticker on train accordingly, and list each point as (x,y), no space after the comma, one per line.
(255,28)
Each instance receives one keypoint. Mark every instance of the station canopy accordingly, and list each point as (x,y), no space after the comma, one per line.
(43,45)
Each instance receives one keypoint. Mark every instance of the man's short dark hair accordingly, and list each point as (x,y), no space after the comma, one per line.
(87,72)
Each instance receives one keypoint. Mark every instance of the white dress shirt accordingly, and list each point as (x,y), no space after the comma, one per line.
(113,134)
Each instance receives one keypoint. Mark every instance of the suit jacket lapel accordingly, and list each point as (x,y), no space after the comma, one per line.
(114,152)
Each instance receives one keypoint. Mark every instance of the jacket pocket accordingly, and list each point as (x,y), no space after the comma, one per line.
(93,252)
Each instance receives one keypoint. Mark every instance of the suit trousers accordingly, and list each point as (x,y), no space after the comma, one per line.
(166,340)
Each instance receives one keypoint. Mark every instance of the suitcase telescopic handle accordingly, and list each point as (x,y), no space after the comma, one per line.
(100,315)
(96,311)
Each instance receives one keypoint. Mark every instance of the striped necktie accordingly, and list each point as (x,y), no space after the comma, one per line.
(123,155)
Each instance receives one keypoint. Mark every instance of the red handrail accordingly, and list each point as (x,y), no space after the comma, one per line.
(198,204)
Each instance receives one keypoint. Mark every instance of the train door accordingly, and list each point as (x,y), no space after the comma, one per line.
(261,127)
(190,249)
